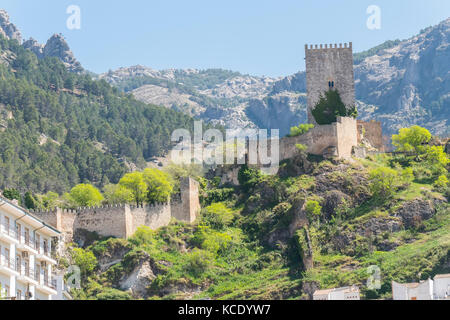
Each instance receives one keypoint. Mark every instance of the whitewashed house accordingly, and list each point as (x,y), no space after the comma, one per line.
(345,293)
(413,291)
(441,290)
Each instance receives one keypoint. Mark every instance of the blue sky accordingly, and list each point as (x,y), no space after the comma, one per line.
(259,37)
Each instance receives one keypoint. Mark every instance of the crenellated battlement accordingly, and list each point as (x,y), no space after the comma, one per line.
(329,67)
(330,46)
(122,220)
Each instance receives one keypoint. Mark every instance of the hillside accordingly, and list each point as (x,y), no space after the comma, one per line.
(398,82)
(59,128)
(317,224)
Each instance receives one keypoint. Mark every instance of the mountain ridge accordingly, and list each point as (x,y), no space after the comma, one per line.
(396,101)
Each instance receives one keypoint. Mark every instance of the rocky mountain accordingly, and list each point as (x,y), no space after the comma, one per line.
(222,97)
(56,46)
(400,83)
(7,29)
(409,83)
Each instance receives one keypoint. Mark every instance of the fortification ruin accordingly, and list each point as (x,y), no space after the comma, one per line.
(122,221)
(329,68)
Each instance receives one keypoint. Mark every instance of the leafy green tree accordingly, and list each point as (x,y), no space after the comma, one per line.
(330,107)
(159,185)
(29,200)
(136,184)
(85,260)
(49,200)
(383,182)
(248,177)
(86,195)
(183,171)
(117,194)
(412,139)
(11,194)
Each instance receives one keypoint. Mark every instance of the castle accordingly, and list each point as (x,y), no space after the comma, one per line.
(330,67)
(327,68)
(122,221)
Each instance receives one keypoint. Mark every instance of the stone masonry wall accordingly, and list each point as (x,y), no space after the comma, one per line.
(329,63)
(341,134)
(372,132)
(122,221)
(152,216)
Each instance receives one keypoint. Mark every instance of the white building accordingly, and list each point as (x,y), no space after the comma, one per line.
(441,290)
(413,291)
(26,262)
(345,293)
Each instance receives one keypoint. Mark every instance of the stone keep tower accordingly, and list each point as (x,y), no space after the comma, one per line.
(329,67)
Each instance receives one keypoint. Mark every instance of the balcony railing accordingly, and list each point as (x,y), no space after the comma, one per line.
(9,263)
(50,283)
(9,231)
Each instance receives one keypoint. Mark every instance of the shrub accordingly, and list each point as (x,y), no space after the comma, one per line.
(217,216)
(313,208)
(300,129)
(441,184)
(219,195)
(383,182)
(113,294)
(301,147)
(198,261)
(85,260)
(248,177)
(143,235)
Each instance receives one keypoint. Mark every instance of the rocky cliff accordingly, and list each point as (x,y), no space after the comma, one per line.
(56,46)
(7,29)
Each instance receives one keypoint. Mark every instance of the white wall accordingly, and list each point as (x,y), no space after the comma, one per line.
(441,288)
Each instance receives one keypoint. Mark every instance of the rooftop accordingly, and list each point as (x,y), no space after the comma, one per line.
(26,213)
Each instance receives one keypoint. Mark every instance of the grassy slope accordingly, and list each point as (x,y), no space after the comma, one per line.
(245,268)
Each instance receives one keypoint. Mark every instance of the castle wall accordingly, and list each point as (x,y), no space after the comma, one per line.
(152,216)
(372,132)
(329,63)
(346,136)
(341,134)
(123,221)
(106,221)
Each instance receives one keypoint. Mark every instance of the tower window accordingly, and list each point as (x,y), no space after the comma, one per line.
(331,84)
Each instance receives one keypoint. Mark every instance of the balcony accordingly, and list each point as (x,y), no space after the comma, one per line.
(8,234)
(8,266)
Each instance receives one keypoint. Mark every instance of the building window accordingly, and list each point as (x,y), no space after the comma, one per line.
(331,84)
(7,225)
(19,295)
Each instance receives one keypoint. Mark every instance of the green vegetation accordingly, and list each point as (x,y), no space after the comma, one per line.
(359,57)
(61,135)
(300,129)
(85,195)
(330,107)
(412,139)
